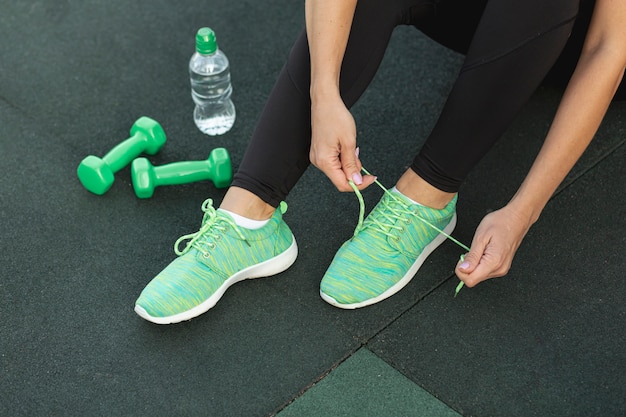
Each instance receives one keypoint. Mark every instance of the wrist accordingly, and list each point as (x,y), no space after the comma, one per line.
(324,91)
(527,211)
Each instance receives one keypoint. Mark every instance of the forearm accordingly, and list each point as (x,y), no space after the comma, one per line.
(584,104)
(578,117)
(328,24)
(581,110)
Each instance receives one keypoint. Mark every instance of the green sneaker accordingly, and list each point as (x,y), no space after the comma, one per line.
(386,251)
(217,256)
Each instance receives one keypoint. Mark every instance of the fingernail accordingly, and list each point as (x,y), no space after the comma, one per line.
(356,152)
(356,177)
(464,265)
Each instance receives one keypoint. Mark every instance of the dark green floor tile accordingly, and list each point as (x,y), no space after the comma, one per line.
(548,339)
(76,75)
(364,385)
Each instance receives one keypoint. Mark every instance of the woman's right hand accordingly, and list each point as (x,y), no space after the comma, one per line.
(333,143)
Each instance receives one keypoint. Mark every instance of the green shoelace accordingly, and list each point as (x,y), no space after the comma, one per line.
(359,225)
(208,231)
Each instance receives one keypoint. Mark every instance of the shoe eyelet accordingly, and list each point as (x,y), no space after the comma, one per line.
(206,255)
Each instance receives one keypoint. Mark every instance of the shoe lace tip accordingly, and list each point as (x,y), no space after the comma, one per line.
(458,288)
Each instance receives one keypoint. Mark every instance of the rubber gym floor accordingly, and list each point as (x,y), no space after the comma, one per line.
(546,340)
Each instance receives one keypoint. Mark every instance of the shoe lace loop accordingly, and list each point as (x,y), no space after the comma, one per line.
(391,213)
(212,228)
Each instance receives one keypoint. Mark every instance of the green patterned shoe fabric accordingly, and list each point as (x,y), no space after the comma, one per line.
(386,251)
(214,258)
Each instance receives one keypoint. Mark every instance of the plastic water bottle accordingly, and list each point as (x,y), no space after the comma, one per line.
(209,73)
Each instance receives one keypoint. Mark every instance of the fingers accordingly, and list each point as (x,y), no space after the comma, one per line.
(332,167)
(351,165)
(367,181)
(485,260)
(352,170)
(344,167)
(471,261)
(478,268)
(333,144)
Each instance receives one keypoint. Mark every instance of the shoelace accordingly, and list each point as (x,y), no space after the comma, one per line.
(396,213)
(210,230)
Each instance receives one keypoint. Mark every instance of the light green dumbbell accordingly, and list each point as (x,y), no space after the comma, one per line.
(97,174)
(147,177)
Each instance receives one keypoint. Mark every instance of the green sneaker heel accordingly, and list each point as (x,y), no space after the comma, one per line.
(219,255)
(386,251)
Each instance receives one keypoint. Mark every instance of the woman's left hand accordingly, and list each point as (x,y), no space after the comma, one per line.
(599,71)
(495,242)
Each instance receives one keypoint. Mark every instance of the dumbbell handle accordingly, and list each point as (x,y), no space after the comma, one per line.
(124,152)
(182,172)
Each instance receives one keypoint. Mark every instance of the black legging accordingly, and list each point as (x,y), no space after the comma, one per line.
(510,46)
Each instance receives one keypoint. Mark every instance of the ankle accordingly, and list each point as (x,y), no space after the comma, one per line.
(417,189)
(245,203)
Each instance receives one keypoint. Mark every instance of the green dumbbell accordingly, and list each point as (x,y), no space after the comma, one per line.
(96,174)
(147,177)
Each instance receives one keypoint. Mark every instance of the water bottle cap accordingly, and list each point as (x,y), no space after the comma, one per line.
(206,44)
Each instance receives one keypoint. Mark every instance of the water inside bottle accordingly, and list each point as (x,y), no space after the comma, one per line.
(210,86)
(215,118)
(214,113)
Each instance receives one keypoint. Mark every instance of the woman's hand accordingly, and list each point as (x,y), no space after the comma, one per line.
(495,242)
(333,140)
(333,143)
(589,92)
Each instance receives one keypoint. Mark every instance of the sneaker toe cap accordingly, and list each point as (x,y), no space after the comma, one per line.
(177,289)
(346,288)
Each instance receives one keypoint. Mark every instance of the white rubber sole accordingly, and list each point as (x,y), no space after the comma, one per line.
(267,268)
(405,279)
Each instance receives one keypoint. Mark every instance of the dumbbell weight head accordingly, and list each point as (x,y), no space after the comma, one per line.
(222,171)
(144,180)
(97,174)
(153,133)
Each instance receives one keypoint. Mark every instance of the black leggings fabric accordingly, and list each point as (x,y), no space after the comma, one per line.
(509,46)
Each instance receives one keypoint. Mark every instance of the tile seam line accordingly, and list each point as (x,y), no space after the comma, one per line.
(363,344)
(11,105)
(565,185)
(318,379)
(365,341)
(604,156)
